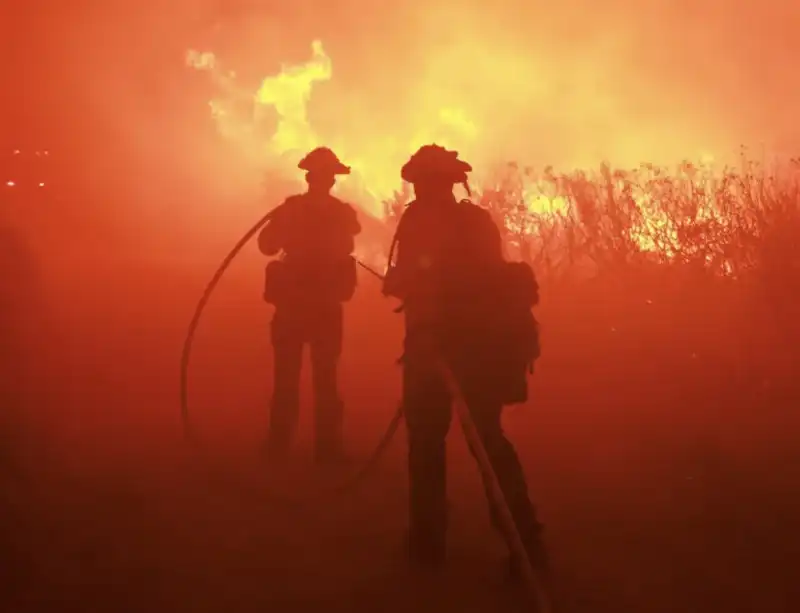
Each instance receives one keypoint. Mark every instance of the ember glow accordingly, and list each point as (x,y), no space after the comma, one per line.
(25,168)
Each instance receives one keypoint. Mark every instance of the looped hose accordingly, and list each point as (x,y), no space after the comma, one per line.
(537,588)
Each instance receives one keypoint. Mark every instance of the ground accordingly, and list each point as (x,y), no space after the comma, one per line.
(651,504)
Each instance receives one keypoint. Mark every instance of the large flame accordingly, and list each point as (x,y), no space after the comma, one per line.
(375,161)
(288,93)
(272,127)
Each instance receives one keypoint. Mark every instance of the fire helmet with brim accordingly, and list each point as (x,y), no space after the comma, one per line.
(323,160)
(435,163)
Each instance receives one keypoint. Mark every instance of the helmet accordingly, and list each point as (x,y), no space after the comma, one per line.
(323,160)
(435,162)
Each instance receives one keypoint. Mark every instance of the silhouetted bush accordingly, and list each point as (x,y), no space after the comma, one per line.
(732,222)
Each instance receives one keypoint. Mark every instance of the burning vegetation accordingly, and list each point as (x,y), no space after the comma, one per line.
(727,221)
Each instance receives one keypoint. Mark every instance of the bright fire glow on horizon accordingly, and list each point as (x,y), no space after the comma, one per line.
(286,97)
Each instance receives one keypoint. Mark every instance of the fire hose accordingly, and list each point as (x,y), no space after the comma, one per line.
(533,582)
(189,431)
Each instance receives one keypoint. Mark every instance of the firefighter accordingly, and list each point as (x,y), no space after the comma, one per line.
(313,234)
(465,303)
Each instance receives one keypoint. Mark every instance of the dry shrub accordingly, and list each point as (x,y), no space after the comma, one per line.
(721,222)
(693,223)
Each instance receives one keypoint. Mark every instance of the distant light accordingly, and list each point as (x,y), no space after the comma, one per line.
(41,184)
(16,151)
(10,183)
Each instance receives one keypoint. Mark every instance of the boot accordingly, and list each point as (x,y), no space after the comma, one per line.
(276,449)
(538,558)
(329,441)
(426,552)
(281,428)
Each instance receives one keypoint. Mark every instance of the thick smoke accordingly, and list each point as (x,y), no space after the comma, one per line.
(568,84)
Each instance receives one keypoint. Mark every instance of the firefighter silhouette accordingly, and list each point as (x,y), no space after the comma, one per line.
(465,303)
(313,235)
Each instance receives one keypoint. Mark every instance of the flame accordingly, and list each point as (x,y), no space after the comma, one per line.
(375,160)
(288,93)
(376,153)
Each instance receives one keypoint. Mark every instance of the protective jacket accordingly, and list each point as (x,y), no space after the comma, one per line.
(316,236)
(457,287)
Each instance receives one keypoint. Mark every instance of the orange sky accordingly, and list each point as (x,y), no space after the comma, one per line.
(567,83)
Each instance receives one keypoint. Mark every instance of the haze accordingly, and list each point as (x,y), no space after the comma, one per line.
(660,439)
